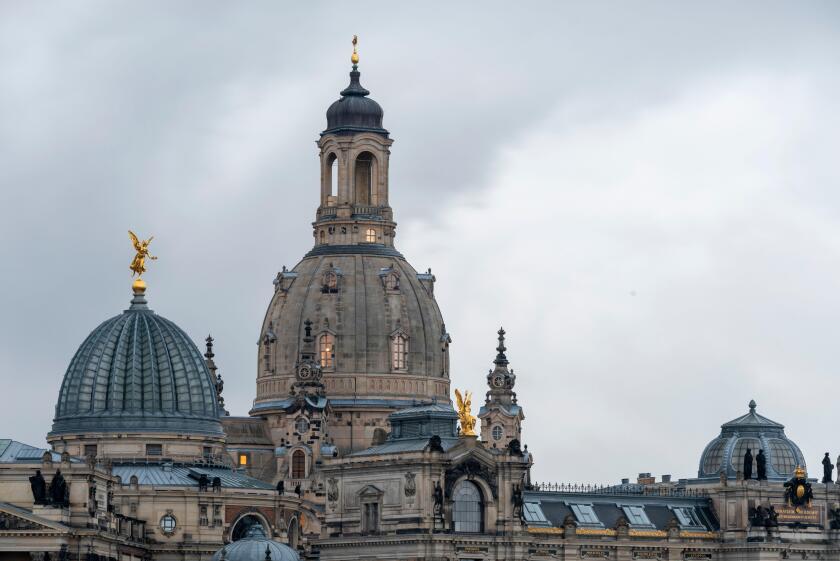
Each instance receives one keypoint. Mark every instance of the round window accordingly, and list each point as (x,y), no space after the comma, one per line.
(168,524)
(497,433)
(301,425)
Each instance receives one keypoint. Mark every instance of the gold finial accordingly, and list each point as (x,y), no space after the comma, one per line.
(354,58)
(464,416)
(138,264)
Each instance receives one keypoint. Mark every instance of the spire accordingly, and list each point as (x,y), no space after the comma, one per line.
(501,360)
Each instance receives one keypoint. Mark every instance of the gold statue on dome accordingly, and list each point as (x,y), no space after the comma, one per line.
(354,58)
(465,417)
(138,264)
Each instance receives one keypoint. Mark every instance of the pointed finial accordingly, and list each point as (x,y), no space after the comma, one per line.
(752,406)
(209,354)
(501,359)
(354,58)
(267,553)
(307,328)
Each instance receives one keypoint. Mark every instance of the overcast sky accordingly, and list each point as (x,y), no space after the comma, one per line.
(644,194)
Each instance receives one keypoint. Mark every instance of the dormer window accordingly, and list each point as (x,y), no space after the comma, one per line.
(330,285)
(585,515)
(399,352)
(392,281)
(637,516)
(326,350)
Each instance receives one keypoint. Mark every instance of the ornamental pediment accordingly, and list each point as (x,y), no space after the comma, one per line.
(14,519)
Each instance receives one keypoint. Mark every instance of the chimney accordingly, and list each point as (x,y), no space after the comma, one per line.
(645,479)
(666,478)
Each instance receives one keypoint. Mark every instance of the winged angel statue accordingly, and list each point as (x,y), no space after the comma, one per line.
(466,419)
(138,265)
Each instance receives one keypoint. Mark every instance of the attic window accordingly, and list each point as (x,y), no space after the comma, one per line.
(533,513)
(392,281)
(687,517)
(330,283)
(636,516)
(585,514)
(154,449)
(244,458)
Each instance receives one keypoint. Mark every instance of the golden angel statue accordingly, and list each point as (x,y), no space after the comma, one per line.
(464,416)
(138,265)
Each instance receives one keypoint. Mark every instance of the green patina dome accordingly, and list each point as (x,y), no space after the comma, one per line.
(137,372)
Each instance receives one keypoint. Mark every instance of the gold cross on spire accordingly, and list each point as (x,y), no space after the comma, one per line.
(354,58)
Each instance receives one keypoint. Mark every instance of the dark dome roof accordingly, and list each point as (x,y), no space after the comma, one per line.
(255,546)
(756,432)
(137,372)
(355,111)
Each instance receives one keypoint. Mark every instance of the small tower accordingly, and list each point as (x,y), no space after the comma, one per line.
(501,417)
(354,151)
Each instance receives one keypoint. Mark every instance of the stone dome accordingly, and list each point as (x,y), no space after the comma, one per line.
(256,546)
(756,432)
(137,372)
(355,111)
(360,300)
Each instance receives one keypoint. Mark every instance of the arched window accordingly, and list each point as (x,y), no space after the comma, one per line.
(392,281)
(322,237)
(332,176)
(468,510)
(363,179)
(244,526)
(399,351)
(370,235)
(294,533)
(330,283)
(326,350)
(298,464)
(498,432)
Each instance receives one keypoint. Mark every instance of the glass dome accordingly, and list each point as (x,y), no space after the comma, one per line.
(754,432)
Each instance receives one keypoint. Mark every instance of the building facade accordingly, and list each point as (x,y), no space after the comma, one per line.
(352,449)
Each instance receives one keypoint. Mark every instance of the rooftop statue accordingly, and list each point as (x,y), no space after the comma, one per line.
(466,418)
(828,467)
(138,264)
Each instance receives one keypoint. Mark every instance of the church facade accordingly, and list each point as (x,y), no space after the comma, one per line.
(353,448)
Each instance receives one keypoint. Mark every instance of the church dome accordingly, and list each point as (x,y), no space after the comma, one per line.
(355,111)
(256,546)
(137,372)
(756,432)
(360,303)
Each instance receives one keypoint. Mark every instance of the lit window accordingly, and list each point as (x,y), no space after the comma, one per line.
(301,425)
(298,464)
(168,524)
(326,350)
(636,516)
(468,511)
(154,449)
(585,514)
(370,235)
(399,352)
(497,432)
(243,459)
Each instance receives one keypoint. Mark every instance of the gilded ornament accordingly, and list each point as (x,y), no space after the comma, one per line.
(138,264)
(354,58)
(466,418)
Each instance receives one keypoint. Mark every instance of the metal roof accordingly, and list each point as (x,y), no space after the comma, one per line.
(12,451)
(184,475)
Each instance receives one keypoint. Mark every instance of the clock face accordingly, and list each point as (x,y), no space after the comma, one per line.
(304,372)
(498,381)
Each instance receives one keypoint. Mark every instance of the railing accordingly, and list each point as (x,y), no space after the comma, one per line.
(326,211)
(621,489)
(367,210)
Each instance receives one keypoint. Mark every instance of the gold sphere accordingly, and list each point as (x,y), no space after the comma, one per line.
(354,58)
(138,286)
